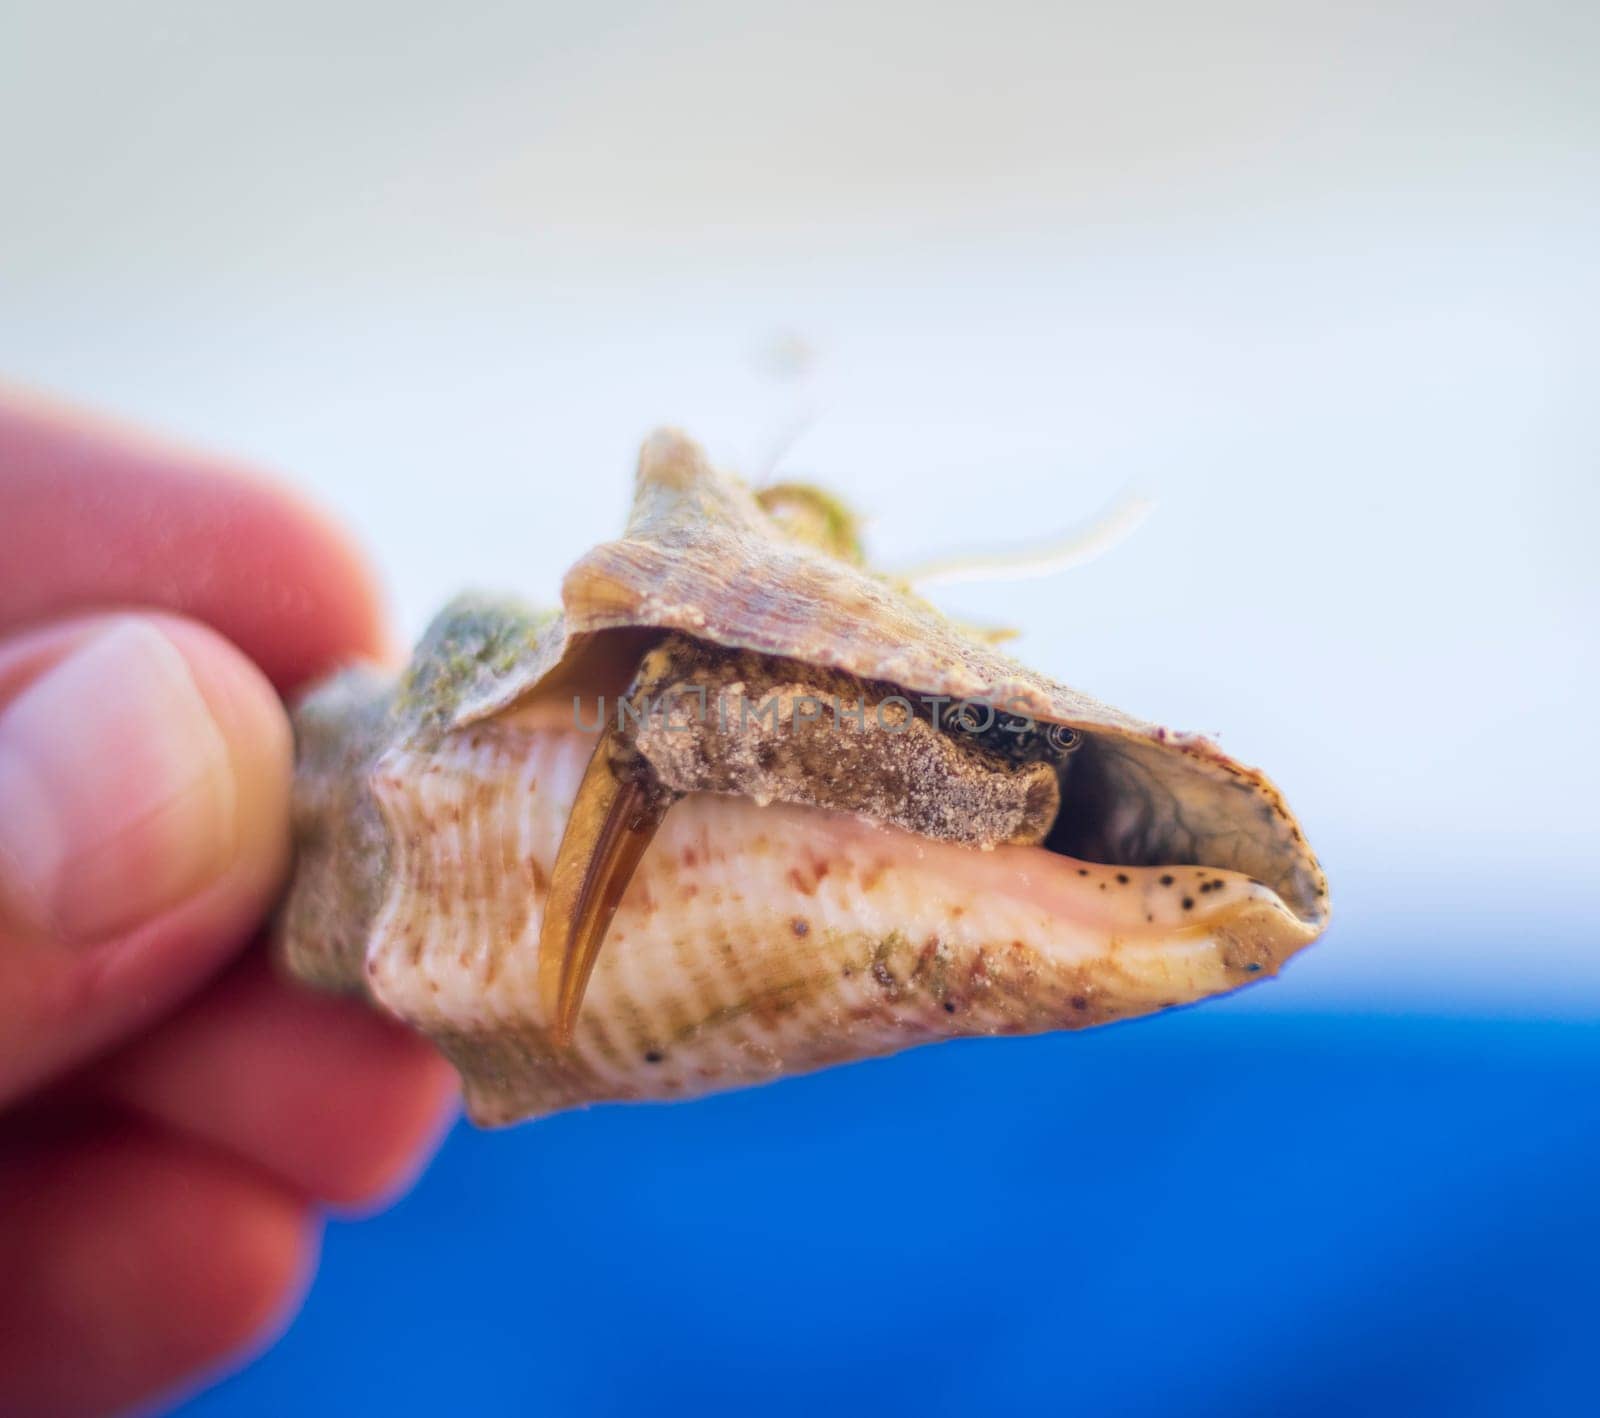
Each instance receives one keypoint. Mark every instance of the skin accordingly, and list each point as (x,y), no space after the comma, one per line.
(175,1118)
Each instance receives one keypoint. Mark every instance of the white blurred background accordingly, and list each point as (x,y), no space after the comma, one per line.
(1320,278)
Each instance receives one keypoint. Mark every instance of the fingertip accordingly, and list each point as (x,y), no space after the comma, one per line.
(333,1100)
(96,513)
(408,1125)
(145,769)
(136,1261)
(343,611)
(262,1244)
(145,766)
(255,730)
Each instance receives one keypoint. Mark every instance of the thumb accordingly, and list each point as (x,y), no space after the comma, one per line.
(144,777)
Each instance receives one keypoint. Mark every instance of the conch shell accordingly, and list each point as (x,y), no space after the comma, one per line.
(470,833)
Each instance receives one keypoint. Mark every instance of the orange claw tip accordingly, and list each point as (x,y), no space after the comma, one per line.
(612,823)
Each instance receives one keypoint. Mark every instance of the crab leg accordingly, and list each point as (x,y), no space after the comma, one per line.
(613,820)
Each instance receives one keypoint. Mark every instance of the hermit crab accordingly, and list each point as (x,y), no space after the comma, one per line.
(743,808)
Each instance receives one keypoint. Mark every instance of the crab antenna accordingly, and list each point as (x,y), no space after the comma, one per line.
(781,445)
(1026,563)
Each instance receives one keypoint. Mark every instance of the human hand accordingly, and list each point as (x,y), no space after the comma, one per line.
(175,1115)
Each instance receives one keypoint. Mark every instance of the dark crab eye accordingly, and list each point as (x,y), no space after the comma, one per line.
(1062,739)
(970,719)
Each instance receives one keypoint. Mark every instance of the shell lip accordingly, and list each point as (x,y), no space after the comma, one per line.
(1197,896)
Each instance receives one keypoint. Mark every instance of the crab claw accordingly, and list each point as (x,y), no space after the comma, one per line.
(614,817)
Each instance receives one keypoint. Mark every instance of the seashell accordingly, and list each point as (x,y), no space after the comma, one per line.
(584,853)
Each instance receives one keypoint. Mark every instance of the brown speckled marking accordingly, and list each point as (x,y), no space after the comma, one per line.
(873,875)
(803,881)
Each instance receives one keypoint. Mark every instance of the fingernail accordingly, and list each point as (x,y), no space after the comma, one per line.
(117,792)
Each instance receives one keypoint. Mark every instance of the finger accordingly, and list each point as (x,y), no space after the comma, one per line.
(93,515)
(133,1261)
(144,782)
(321,1092)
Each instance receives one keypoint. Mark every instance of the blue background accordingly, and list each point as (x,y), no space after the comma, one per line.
(1222,1211)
